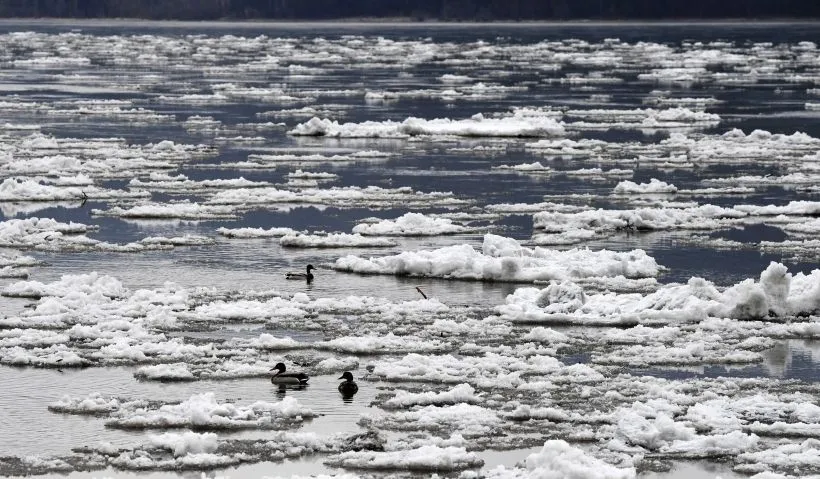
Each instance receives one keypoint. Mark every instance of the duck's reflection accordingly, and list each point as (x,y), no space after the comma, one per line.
(282,389)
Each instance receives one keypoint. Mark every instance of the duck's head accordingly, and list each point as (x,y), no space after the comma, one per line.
(347,376)
(280,367)
(310,267)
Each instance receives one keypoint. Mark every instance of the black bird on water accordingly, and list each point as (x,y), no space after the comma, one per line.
(348,387)
(307,275)
(287,378)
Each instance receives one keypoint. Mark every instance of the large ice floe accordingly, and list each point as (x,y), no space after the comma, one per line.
(335,240)
(561,460)
(200,411)
(518,124)
(777,293)
(674,118)
(410,224)
(558,227)
(50,235)
(504,259)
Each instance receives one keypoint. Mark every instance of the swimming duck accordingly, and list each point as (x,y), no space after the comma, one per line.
(348,387)
(290,378)
(308,276)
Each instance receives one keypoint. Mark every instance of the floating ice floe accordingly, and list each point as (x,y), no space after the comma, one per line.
(567,228)
(504,259)
(468,420)
(97,158)
(536,167)
(312,175)
(385,344)
(203,451)
(424,459)
(182,184)
(671,118)
(453,78)
(801,250)
(203,411)
(14,265)
(334,240)
(663,99)
(736,146)
(778,293)
(274,232)
(20,189)
(271,161)
(797,458)
(200,411)
(560,460)
(522,208)
(489,371)
(372,196)
(568,147)
(654,187)
(462,393)
(17,232)
(516,125)
(599,173)
(165,372)
(411,224)
(479,91)
(183,210)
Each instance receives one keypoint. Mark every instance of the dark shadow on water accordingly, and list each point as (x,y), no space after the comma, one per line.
(580,358)
(752,234)
(282,389)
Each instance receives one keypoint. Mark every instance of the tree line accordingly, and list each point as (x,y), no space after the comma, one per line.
(458,10)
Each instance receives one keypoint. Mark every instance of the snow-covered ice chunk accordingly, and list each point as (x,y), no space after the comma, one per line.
(273,232)
(89,284)
(183,210)
(203,411)
(516,125)
(489,371)
(504,259)
(559,460)
(410,224)
(165,372)
(424,459)
(186,443)
(778,293)
(335,240)
(654,186)
(461,393)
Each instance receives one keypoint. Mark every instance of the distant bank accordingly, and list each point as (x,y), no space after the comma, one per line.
(415,10)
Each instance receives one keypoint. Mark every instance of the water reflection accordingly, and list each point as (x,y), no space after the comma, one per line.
(788,359)
(11,209)
(282,389)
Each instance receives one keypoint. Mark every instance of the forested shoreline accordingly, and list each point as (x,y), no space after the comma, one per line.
(418,10)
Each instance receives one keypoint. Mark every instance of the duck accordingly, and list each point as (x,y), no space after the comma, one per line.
(290,378)
(307,276)
(348,387)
